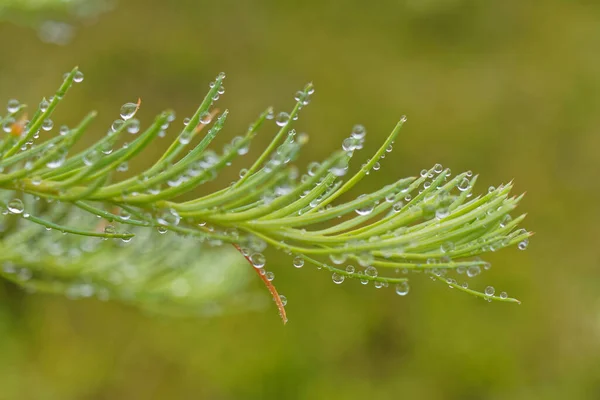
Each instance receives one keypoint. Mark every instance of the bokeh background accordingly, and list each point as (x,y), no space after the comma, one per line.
(508,89)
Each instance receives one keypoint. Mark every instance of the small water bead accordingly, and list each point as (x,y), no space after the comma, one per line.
(340,168)
(366,209)
(505,220)
(63,130)
(489,291)
(15,206)
(13,106)
(133,127)
(270,276)
(110,229)
(162,230)
(58,161)
(91,157)
(491,189)
(371,271)
(376,166)
(350,269)
(258,260)
(503,295)
(185,137)
(243,172)
(44,104)
(124,166)
(379,285)
(117,124)
(7,126)
(358,132)
(338,258)
(349,144)
(442,213)
(283,299)
(437,168)
(47,125)
(186,121)
(282,118)
(423,173)
(446,247)
(313,167)
(464,185)
(523,244)
(473,271)
(205,118)
(402,288)
(389,148)
(337,278)
(128,110)
(298,262)
(469,173)
(78,77)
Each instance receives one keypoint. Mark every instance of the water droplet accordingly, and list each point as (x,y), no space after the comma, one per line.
(446,247)
(270,276)
(338,258)
(437,168)
(128,110)
(358,132)
(15,206)
(491,189)
(283,300)
(464,184)
(78,77)
(337,278)
(423,173)
(44,104)
(47,124)
(389,148)
(473,271)
(185,137)
(442,213)
(110,229)
(523,244)
(58,161)
(63,130)
(133,127)
(376,166)
(371,271)
(397,207)
(503,295)
(365,210)
(313,167)
(489,291)
(298,262)
(350,269)
(124,166)
(12,106)
(243,172)
(205,118)
(91,157)
(340,168)
(282,118)
(402,288)
(117,124)
(258,260)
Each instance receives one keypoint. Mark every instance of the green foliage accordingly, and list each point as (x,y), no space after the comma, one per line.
(70,226)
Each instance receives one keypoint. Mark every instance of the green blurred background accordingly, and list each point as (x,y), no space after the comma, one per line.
(508,89)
